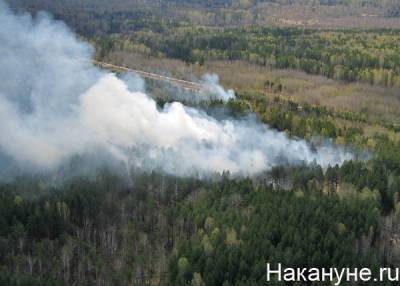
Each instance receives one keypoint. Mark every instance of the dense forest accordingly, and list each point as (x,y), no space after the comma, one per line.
(149,228)
(371,56)
(99,231)
(100,17)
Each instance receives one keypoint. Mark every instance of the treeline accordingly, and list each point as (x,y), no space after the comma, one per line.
(94,18)
(160,28)
(369,56)
(306,120)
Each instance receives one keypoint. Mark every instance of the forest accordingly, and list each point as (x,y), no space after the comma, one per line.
(100,17)
(321,82)
(101,231)
(370,56)
(153,229)
(105,230)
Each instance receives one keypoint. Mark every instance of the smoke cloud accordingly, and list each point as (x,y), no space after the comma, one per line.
(214,90)
(210,91)
(54,104)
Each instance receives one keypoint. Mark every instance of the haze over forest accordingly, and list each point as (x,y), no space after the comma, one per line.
(287,150)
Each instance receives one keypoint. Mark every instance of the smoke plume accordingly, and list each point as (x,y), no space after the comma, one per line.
(214,90)
(54,104)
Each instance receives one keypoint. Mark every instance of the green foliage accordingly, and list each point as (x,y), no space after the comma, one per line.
(212,231)
(369,56)
(24,280)
(89,229)
(311,230)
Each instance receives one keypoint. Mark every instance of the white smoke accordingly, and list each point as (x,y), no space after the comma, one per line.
(209,91)
(54,105)
(213,90)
